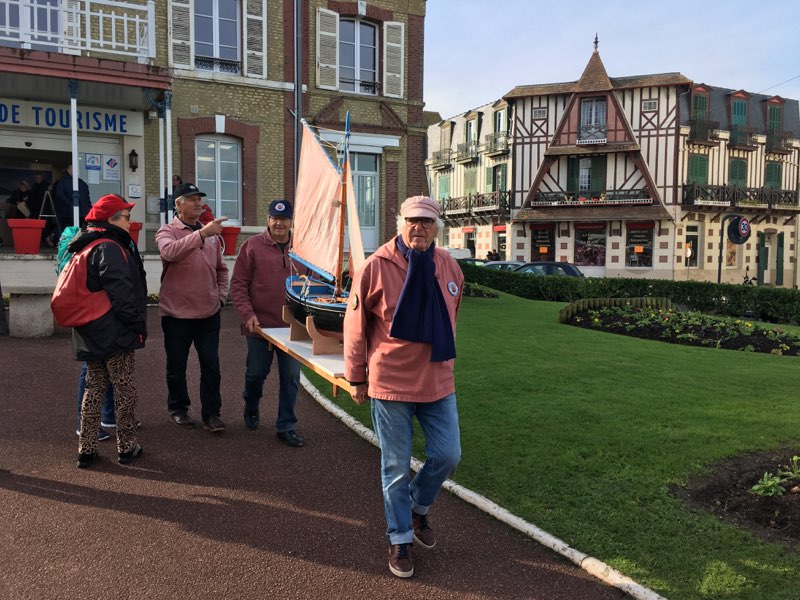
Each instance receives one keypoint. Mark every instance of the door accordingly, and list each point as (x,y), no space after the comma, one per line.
(365,186)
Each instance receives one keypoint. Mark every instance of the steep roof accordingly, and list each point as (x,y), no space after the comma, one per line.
(617,83)
(594,78)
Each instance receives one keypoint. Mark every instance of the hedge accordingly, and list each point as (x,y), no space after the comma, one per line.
(773,305)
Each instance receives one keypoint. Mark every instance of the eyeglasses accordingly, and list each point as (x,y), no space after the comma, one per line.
(126,216)
(423,222)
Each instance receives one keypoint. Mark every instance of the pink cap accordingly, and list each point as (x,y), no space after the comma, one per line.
(420,206)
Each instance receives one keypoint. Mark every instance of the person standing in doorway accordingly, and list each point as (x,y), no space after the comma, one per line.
(63,198)
(399,351)
(257,289)
(194,286)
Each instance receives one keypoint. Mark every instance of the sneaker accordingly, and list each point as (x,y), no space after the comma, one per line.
(85,459)
(101,437)
(125,457)
(214,425)
(400,561)
(423,534)
(110,425)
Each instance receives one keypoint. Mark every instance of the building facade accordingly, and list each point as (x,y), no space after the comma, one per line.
(640,177)
(207,90)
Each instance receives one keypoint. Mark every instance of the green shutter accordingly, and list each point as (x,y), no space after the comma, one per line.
(489,179)
(699,107)
(774,118)
(762,257)
(779,261)
(444,187)
(572,175)
(598,176)
(698,169)
(502,177)
(772,176)
(739,113)
(738,172)
(470,181)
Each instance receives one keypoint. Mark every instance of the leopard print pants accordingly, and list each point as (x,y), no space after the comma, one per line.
(119,371)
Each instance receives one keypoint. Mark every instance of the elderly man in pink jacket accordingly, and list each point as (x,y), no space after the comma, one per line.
(194,286)
(399,349)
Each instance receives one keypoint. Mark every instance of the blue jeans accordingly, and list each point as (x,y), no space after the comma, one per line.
(393,426)
(259,361)
(107,415)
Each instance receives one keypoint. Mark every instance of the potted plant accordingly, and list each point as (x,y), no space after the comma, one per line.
(27,234)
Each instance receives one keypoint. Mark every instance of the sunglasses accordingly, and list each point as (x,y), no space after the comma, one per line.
(425,223)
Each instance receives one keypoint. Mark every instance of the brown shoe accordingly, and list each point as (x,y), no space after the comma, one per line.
(214,425)
(400,561)
(423,534)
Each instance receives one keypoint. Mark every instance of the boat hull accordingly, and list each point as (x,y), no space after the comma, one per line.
(315,300)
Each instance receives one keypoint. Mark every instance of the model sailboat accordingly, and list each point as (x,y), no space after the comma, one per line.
(324,200)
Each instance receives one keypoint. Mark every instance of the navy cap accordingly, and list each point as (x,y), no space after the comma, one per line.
(188,189)
(280,208)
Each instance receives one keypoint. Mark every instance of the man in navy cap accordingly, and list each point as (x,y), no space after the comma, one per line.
(257,289)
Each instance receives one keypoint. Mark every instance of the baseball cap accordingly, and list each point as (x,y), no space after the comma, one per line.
(188,189)
(280,208)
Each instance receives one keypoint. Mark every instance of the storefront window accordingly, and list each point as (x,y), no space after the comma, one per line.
(590,246)
(639,245)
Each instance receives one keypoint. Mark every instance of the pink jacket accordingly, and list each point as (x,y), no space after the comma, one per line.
(258,285)
(194,280)
(395,369)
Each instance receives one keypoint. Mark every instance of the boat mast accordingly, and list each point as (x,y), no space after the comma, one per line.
(340,252)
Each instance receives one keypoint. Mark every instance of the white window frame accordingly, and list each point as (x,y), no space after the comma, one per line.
(585,174)
(369,88)
(218,63)
(539,114)
(214,187)
(501,120)
(649,105)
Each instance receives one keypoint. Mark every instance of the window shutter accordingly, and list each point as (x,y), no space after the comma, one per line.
(502,178)
(255,42)
(181,49)
(739,113)
(393,50)
(444,187)
(598,180)
(327,49)
(772,176)
(489,179)
(762,257)
(698,169)
(72,28)
(700,107)
(470,183)
(572,175)
(738,172)
(779,261)
(774,118)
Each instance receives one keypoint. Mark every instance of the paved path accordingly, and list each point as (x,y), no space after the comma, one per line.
(237,515)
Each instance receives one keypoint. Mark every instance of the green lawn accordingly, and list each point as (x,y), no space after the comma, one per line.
(582,432)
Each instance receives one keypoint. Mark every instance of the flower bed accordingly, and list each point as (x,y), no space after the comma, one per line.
(689,328)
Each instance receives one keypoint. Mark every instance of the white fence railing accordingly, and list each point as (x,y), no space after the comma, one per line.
(76,26)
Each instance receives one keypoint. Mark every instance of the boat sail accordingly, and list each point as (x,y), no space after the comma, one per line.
(324,200)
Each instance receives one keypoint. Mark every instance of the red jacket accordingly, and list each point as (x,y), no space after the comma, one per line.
(396,369)
(258,285)
(194,282)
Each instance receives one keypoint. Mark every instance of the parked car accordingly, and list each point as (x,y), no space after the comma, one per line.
(478,262)
(503,265)
(458,253)
(549,267)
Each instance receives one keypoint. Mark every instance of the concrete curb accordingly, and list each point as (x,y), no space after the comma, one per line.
(591,565)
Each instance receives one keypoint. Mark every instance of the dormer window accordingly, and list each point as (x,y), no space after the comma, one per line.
(501,120)
(700,107)
(739,112)
(593,121)
(774,117)
(470,135)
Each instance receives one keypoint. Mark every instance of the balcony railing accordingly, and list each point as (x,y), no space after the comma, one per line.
(778,142)
(488,204)
(442,159)
(496,143)
(592,198)
(695,194)
(466,152)
(592,134)
(743,138)
(220,65)
(102,26)
(703,132)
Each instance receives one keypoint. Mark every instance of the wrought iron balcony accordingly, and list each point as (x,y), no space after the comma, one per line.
(592,134)
(488,204)
(778,142)
(496,143)
(743,138)
(220,65)
(466,152)
(699,195)
(592,198)
(100,26)
(442,159)
(704,132)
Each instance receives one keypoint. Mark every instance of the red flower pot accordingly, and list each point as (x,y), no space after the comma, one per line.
(27,234)
(229,236)
(136,227)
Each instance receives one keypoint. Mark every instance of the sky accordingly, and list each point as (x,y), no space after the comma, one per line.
(478,50)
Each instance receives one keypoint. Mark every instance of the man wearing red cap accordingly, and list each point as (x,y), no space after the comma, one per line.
(399,350)
(107,343)
(194,286)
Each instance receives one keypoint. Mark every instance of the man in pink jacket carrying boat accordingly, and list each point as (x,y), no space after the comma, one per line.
(399,350)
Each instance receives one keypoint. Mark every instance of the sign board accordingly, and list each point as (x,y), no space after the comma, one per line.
(44,115)
(739,230)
